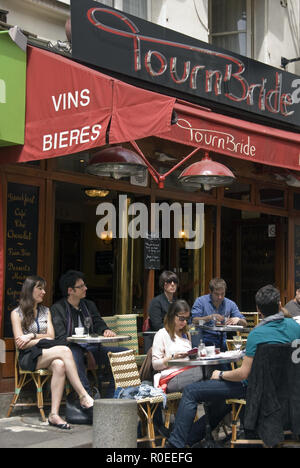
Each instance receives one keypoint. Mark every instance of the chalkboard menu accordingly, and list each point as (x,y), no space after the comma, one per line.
(21,243)
(152,248)
(297,256)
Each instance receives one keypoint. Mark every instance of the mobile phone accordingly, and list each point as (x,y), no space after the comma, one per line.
(192,351)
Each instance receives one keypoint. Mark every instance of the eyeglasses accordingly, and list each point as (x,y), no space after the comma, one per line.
(183,319)
(172,280)
(81,286)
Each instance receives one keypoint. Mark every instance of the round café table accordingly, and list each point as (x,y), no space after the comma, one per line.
(99,339)
(232,356)
(222,329)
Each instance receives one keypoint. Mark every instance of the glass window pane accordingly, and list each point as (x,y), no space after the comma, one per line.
(73,163)
(234,42)
(297,201)
(238,191)
(106,2)
(272,197)
(136,7)
(229,15)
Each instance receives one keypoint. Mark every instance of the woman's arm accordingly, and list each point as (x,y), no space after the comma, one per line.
(28,341)
(159,358)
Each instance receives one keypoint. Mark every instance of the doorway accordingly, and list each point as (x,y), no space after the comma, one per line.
(77,247)
(253,254)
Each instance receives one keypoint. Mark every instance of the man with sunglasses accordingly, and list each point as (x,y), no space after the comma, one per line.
(159,306)
(215,307)
(70,312)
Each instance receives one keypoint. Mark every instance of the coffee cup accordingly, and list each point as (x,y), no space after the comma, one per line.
(79,331)
(210,351)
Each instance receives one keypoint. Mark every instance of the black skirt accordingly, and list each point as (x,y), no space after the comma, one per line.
(28,358)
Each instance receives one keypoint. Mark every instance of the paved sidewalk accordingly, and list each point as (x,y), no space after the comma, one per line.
(31,432)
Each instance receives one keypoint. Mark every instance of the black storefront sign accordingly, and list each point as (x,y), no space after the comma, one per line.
(21,243)
(123,43)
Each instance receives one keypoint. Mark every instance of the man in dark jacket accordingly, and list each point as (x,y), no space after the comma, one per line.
(71,312)
(274,328)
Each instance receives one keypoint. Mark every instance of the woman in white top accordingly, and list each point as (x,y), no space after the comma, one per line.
(32,327)
(174,341)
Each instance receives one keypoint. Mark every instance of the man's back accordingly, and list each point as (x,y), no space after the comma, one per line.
(284,330)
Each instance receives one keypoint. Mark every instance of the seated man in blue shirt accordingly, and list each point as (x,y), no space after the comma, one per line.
(215,307)
(274,328)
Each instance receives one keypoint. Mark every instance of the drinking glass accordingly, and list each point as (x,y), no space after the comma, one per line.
(237,342)
(87,324)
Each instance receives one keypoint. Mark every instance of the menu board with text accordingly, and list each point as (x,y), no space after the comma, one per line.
(21,243)
(152,250)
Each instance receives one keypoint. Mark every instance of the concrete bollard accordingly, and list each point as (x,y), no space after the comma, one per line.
(115,423)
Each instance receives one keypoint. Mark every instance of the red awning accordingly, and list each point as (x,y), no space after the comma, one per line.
(203,128)
(69,108)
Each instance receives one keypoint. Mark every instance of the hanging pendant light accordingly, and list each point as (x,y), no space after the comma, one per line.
(116,162)
(207,173)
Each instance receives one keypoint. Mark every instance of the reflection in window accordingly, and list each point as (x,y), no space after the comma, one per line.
(229,25)
(238,191)
(272,197)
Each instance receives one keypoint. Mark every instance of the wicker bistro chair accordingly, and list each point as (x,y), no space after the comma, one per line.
(22,378)
(125,372)
(126,324)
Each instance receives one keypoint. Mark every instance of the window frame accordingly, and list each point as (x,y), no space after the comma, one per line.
(249,28)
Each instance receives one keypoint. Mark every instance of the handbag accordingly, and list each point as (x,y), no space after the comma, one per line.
(146,371)
(146,325)
(75,414)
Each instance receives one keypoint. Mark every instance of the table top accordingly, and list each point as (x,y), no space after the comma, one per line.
(150,332)
(207,361)
(225,328)
(98,339)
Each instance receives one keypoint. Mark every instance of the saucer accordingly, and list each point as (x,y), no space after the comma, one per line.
(79,336)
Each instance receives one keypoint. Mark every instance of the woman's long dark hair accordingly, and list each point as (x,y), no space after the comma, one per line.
(169,322)
(26,299)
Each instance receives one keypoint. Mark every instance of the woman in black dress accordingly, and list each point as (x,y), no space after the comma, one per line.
(32,327)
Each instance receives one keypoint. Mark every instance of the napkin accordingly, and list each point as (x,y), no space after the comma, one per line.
(231,354)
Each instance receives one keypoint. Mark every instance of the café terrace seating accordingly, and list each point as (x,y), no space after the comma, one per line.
(126,374)
(22,378)
(280,371)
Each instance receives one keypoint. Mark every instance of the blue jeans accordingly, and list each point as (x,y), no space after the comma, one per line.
(215,391)
(100,354)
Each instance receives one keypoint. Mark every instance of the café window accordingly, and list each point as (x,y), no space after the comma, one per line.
(230,25)
(238,191)
(273,197)
(296,201)
(133,7)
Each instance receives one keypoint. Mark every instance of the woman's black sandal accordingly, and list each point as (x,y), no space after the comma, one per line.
(60,426)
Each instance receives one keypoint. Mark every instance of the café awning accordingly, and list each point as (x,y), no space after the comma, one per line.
(72,108)
(200,127)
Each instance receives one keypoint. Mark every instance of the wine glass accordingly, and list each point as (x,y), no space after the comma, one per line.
(87,324)
(237,342)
